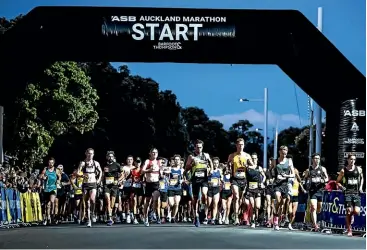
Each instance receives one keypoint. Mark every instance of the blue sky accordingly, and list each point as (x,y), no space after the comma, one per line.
(217,88)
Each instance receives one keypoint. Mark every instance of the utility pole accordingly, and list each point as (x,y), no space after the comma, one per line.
(318,110)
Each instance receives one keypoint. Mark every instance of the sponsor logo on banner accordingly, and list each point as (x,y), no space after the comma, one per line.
(358,154)
(169,32)
(355,141)
(335,207)
(168,45)
(355,127)
(354,113)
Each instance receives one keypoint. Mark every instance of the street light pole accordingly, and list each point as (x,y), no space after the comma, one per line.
(265,157)
(265,100)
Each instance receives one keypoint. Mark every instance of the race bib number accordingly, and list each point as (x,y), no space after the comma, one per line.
(316,179)
(199,174)
(214,182)
(136,185)
(173,182)
(253,185)
(184,193)
(127,183)
(88,178)
(155,168)
(240,174)
(162,185)
(352,182)
(109,180)
(227,186)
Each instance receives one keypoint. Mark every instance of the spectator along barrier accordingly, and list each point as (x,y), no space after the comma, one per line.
(19,209)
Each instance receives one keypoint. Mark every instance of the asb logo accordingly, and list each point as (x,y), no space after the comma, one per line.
(355,127)
(355,113)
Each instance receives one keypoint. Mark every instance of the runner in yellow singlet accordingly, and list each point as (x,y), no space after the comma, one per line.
(292,208)
(238,162)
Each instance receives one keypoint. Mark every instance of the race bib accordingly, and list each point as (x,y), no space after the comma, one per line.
(214,182)
(199,174)
(184,192)
(253,185)
(352,182)
(136,185)
(155,168)
(316,179)
(127,183)
(162,185)
(240,174)
(109,180)
(173,182)
(88,178)
(227,186)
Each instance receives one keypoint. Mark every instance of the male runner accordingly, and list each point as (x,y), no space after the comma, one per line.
(199,164)
(92,173)
(238,162)
(174,187)
(255,180)
(269,194)
(137,191)
(283,169)
(151,169)
(317,178)
(353,187)
(63,186)
(127,189)
(112,177)
(50,178)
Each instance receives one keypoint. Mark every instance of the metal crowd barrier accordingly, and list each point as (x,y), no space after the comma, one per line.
(334,212)
(19,209)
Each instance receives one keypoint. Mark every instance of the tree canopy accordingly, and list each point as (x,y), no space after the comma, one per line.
(73,106)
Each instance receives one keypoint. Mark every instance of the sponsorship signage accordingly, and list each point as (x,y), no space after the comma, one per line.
(334,211)
(352,132)
(354,141)
(355,113)
(359,155)
(167,32)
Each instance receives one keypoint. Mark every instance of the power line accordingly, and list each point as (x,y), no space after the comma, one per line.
(299,114)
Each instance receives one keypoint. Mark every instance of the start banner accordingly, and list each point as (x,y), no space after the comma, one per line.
(334,211)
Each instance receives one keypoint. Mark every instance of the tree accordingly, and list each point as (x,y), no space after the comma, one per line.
(61,102)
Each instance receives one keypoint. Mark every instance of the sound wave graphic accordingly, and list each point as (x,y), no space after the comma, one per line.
(118,29)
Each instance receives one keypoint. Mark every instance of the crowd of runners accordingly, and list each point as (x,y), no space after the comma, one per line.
(160,190)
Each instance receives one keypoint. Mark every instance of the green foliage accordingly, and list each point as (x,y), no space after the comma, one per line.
(60,102)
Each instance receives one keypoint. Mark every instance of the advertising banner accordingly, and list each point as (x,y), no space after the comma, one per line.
(334,212)
(165,32)
(352,132)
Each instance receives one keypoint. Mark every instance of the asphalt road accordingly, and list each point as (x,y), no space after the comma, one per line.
(170,236)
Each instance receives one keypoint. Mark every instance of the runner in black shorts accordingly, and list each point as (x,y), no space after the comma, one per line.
(199,163)
(226,195)
(255,179)
(283,169)
(353,187)
(92,173)
(317,177)
(238,161)
(112,176)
